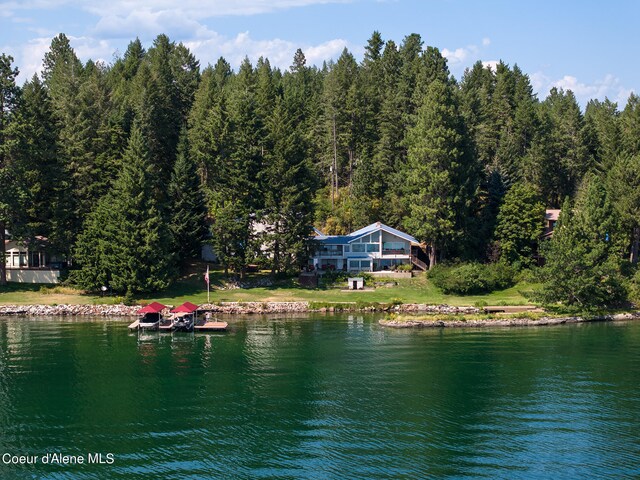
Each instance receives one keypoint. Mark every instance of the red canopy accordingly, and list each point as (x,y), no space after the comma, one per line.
(186,307)
(154,307)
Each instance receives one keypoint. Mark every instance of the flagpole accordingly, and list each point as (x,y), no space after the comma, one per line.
(208,286)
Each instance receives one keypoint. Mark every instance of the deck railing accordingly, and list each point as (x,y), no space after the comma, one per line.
(418,263)
(329,253)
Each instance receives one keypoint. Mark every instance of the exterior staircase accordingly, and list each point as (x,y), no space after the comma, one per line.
(418,263)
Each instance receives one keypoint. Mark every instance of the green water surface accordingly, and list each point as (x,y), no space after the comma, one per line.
(320,397)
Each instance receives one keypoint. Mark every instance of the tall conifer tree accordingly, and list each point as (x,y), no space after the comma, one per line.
(126,244)
(440,176)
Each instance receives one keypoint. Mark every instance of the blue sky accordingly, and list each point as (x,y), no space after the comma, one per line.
(587,46)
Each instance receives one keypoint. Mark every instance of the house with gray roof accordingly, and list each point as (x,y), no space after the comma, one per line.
(376,247)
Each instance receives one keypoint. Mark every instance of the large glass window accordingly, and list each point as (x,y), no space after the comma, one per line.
(359,264)
(372,247)
(357,247)
(393,246)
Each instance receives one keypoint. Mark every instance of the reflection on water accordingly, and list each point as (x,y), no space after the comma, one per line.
(321,397)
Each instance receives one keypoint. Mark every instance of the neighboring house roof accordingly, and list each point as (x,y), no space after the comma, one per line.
(38,242)
(552,214)
(318,233)
(352,237)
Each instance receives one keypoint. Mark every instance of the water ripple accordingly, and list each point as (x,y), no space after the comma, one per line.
(316,397)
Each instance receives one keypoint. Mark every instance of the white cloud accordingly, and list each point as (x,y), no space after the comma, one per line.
(492,64)
(147,23)
(280,52)
(199,8)
(609,87)
(31,55)
(464,56)
(459,55)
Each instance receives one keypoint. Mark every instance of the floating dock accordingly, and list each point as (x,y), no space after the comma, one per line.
(211,326)
(203,327)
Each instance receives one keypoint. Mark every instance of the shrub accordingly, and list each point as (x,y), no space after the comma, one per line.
(333,277)
(472,278)
(405,267)
(633,288)
(129,299)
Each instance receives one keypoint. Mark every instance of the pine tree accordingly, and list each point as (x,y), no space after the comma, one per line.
(125,243)
(341,122)
(603,134)
(367,185)
(63,76)
(9,102)
(623,181)
(188,208)
(519,225)
(209,125)
(582,267)
(568,158)
(165,86)
(237,194)
(288,209)
(439,172)
(91,152)
(39,166)
(630,125)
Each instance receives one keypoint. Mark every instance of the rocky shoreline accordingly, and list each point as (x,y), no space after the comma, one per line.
(262,308)
(503,322)
(234,308)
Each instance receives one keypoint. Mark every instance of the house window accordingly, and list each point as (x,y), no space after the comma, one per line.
(359,264)
(372,247)
(393,246)
(357,248)
(346,249)
(375,237)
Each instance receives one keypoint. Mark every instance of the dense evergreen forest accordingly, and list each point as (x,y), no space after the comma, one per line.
(127,168)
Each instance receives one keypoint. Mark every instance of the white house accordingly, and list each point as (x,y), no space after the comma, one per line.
(30,263)
(376,247)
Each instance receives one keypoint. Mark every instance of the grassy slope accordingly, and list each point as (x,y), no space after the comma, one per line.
(192,288)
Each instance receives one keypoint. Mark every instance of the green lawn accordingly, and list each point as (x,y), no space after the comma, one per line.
(192,288)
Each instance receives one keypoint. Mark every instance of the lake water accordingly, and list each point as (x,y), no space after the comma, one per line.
(320,397)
